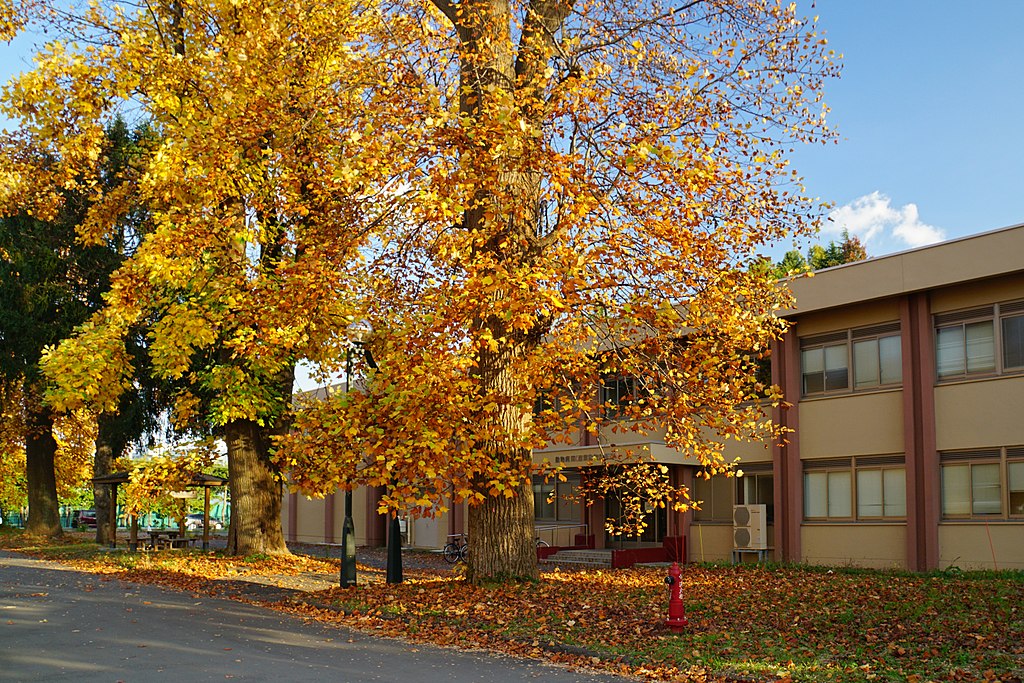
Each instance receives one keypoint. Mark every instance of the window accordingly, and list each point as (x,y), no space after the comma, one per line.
(543,505)
(875,484)
(557,501)
(825,369)
(827,495)
(757,487)
(546,401)
(715,498)
(973,483)
(877,361)
(966,343)
(874,353)
(881,492)
(1013,337)
(965,349)
(1015,472)
(616,394)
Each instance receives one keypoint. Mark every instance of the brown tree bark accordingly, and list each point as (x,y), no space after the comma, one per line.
(256,492)
(40,451)
(501,529)
(502,546)
(102,463)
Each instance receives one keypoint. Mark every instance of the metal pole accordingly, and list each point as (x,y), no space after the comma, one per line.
(206,518)
(394,558)
(348,527)
(348,546)
(394,569)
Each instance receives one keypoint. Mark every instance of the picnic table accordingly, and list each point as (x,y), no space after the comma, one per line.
(167,538)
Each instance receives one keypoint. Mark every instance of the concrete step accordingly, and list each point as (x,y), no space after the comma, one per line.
(581,558)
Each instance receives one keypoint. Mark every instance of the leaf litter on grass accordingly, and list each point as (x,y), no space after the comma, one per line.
(747,623)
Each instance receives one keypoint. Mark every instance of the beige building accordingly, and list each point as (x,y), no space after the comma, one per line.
(905,375)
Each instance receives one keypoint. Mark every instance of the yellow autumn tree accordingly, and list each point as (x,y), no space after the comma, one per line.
(166,471)
(591,180)
(74,437)
(261,187)
(13,485)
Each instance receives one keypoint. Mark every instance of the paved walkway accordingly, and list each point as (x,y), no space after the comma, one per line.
(57,624)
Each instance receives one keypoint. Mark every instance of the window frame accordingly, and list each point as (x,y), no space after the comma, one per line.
(849,339)
(828,472)
(564,510)
(752,474)
(614,408)
(880,373)
(718,485)
(1010,311)
(997,316)
(852,467)
(962,320)
(824,349)
(1007,460)
(864,467)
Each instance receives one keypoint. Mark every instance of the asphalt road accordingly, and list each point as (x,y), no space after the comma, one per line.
(58,624)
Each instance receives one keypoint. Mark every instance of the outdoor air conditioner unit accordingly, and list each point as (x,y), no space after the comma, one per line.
(749,527)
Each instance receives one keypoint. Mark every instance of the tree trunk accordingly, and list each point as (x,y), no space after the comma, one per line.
(256,492)
(502,545)
(40,450)
(102,464)
(501,529)
(493,72)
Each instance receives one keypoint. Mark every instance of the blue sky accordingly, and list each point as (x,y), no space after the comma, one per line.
(928,111)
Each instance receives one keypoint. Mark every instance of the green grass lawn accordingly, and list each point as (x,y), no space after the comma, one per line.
(759,623)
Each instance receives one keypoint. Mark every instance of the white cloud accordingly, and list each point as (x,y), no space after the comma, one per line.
(877,222)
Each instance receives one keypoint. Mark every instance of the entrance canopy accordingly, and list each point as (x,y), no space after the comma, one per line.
(588,456)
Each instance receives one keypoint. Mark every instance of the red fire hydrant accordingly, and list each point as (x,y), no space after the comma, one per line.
(676,610)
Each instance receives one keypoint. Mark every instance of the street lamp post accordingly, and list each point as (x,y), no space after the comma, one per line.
(348,546)
(358,334)
(348,527)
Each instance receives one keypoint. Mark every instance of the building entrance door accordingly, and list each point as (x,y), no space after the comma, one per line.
(655,519)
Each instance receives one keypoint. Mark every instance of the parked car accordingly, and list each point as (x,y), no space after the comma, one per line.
(83,518)
(194,522)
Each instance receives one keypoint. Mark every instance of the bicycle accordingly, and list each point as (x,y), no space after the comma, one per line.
(456,549)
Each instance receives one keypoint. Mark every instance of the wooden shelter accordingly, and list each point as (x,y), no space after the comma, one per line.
(204,481)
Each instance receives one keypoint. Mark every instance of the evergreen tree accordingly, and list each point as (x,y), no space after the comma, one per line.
(50,282)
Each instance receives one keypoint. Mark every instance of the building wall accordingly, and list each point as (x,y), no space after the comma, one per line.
(320,520)
(853,424)
(970,545)
(748,451)
(306,519)
(971,294)
(978,413)
(922,418)
(709,542)
(880,546)
(857,315)
(428,532)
